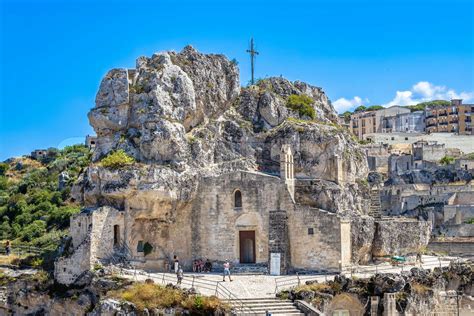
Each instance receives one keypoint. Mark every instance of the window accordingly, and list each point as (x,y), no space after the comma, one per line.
(393,138)
(238,199)
(310,231)
(116,234)
(406,138)
(140,246)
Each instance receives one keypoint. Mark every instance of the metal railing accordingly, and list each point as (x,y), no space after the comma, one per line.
(202,285)
(300,279)
(22,250)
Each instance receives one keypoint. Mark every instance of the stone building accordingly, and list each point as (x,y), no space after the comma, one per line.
(221,173)
(38,154)
(90,141)
(413,122)
(379,121)
(242,216)
(455,118)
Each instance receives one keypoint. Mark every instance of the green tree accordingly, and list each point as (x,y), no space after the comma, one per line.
(360,108)
(375,108)
(33,230)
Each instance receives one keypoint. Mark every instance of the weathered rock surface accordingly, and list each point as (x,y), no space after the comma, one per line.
(400,237)
(183,116)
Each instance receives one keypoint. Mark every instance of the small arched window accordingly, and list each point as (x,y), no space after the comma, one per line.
(237,199)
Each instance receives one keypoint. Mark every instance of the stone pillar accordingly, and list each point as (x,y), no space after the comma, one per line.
(278,241)
(374,305)
(458,217)
(287,169)
(338,169)
(390,304)
(345,243)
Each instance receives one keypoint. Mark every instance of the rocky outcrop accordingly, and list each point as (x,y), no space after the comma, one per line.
(414,292)
(183,116)
(362,237)
(398,236)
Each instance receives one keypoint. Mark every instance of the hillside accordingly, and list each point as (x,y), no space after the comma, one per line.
(35,201)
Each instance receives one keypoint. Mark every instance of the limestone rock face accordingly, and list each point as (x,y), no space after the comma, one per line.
(396,237)
(184,116)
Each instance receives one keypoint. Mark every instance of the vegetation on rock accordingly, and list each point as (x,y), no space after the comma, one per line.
(447,160)
(152,296)
(117,159)
(302,104)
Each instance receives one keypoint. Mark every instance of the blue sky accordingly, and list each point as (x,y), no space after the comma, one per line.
(54,53)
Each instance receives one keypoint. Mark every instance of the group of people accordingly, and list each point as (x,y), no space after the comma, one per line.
(200,266)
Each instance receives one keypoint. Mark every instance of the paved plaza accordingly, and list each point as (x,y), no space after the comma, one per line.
(252,286)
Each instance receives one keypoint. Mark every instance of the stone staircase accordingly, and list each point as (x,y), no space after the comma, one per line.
(375,203)
(262,306)
(250,268)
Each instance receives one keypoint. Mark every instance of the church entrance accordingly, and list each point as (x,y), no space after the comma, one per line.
(247,246)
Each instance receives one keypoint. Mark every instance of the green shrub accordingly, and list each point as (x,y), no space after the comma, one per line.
(447,160)
(34,230)
(117,159)
(302,104)
(3,168)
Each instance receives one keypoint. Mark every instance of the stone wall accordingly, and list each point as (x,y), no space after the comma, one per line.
(452,248)
(217,221)
(92,233)
(278,239)
(315,238)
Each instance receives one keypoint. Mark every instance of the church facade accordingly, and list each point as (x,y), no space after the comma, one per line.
(245,217)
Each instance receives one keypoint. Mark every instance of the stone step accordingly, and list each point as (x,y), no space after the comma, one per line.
(265,306)
(259,306)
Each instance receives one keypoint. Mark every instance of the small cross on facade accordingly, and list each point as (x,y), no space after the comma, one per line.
(252,53)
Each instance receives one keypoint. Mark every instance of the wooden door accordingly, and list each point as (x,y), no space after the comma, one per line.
(247,246)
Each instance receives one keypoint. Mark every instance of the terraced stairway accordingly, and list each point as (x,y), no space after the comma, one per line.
(260,306)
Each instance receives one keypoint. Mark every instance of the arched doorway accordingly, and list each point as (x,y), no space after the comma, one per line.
(247,246)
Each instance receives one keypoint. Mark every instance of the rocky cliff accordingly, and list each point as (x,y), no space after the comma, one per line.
(184,115)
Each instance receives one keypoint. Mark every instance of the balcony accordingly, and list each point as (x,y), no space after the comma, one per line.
(442,114)
(430,124)
(443,123)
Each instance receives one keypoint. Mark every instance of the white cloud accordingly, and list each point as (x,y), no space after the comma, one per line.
(342,104)
(419,92)
(426,91)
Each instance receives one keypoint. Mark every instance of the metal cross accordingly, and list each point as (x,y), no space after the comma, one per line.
(252,53)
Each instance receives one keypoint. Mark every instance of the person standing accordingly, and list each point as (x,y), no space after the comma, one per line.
(207,266)
(180,275)
(226,271)
(7,247)
(176,264)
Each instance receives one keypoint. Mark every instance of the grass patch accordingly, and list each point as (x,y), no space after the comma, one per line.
(419,288)
(150,296)
(314,287)
(13,260)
